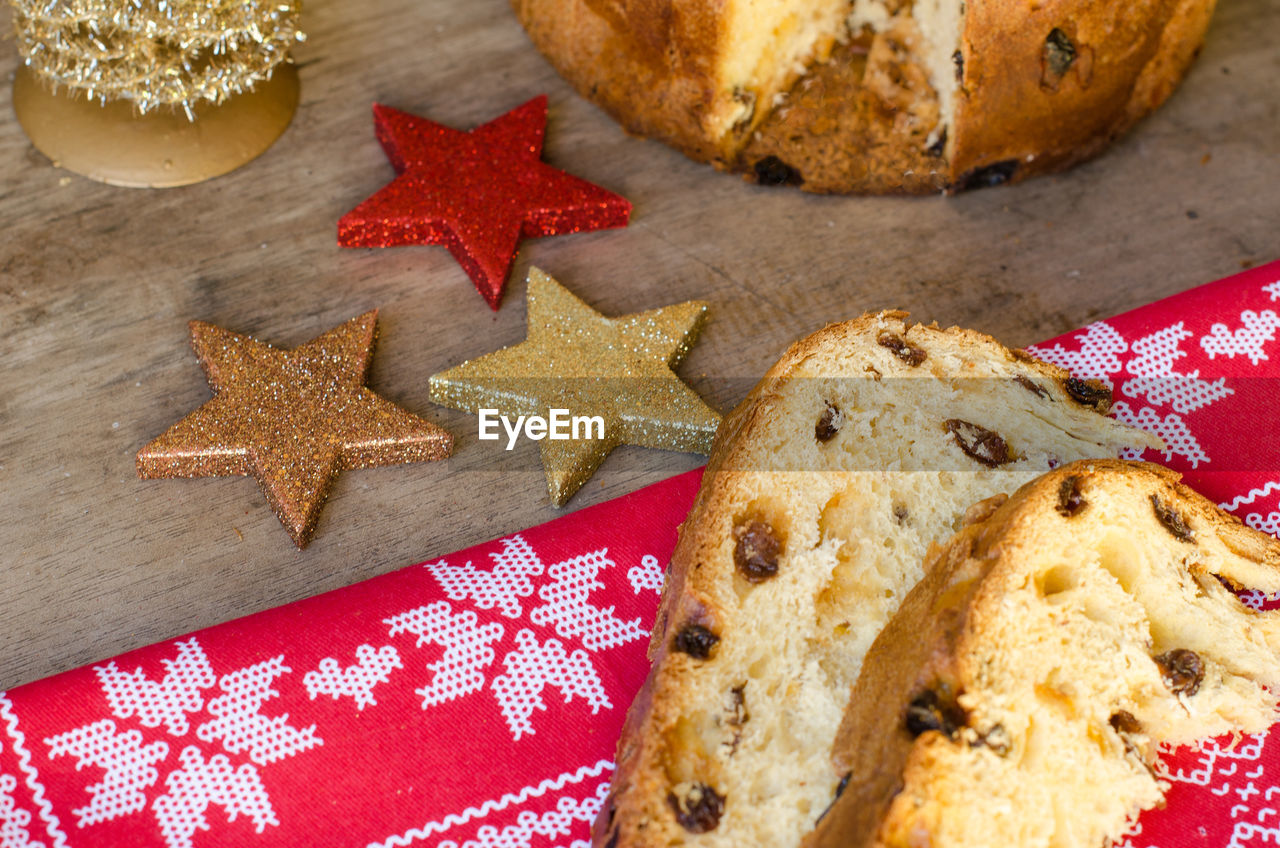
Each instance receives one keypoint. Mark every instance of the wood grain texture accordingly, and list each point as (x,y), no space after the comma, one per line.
(97,285)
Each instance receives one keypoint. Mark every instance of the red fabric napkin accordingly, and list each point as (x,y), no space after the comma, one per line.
(474,701)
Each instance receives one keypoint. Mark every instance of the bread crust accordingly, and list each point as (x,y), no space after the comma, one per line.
(689,595)
(651,65)
(1014,112)
(648,63)
(928,645)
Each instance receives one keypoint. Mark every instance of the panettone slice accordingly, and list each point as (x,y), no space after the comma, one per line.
(1017,697)
(865,443)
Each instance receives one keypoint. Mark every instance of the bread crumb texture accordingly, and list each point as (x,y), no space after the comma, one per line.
(865,444)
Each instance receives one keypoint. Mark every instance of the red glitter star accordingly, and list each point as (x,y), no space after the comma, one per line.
(477,193)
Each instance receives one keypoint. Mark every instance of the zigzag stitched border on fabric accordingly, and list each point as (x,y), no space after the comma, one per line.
(453,820)
(52,826)
(1240,500)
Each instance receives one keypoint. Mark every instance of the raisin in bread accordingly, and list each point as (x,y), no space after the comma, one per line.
(874,95)
(1017,696)
(861,446)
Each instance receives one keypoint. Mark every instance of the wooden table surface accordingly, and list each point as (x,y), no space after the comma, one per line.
(97,285)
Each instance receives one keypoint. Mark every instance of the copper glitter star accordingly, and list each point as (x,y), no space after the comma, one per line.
(477,193)
(577,360)
(291,418)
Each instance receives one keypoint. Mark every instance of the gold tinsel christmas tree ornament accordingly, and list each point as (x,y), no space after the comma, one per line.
(154,93)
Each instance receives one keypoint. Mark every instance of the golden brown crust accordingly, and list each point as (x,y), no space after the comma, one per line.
(1050,84)
(1180,45)
(645,62)
(651,65)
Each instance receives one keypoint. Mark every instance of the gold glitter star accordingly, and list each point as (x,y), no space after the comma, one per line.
(291,418)
(574,359)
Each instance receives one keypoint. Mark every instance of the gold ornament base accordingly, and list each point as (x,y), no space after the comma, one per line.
(114,144)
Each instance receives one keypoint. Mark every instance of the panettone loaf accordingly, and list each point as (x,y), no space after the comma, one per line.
(874,95)
(1017,696)
(866,442)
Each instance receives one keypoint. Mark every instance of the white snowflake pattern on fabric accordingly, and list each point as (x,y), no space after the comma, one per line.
(503,586)
(14,819)
(467,649)
(372,666)
(1178,439)
(1226,771)
(1259,330)
(1245,833)
(198,785)
(1155,378)
(166,702)
(238,723)
(194,783)
(567,606)
(533,667)
(1232,773)
(552,824)
(565,592)
(1255,598)
(1273,289)
(646,575)
(1214,762)
(1098,357)
(1269,523)
(129,766)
